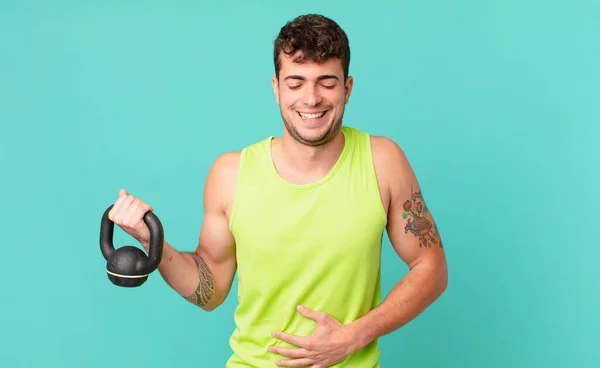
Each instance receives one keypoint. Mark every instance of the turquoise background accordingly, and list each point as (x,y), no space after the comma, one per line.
(496,104)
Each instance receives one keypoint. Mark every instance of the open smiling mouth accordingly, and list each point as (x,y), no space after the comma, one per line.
(316,115)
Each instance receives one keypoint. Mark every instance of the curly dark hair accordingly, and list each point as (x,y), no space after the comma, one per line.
(319,38)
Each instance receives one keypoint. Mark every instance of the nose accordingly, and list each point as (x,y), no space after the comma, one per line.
(312,97)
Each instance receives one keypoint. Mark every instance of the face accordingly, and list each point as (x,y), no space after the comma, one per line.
(312,98)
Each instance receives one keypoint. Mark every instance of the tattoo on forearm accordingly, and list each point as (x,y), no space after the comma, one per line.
(206,289)
(416,210)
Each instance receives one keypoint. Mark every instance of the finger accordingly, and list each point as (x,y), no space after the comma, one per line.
(135,213)
(141,208)
(292,339)
(112,214)
(123,192)
(312,314)
(289,352)
(304,362)
(123,212)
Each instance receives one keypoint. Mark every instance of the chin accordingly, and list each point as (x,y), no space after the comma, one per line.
(314,135)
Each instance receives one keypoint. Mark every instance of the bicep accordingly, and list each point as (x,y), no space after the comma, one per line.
(411,226)
(216,245)
(216,248)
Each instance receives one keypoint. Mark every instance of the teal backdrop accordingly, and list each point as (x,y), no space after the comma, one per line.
(496,104)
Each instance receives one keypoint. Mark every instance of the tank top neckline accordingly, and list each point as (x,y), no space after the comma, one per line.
(273,170)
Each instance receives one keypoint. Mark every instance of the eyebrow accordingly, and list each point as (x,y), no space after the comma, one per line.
(321,77)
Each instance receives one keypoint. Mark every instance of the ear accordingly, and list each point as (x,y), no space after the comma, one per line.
(275,83)
(348,87)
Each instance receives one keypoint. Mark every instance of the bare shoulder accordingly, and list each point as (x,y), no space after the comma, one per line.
(221,181)
(387,154)
(394,172)
(227,163)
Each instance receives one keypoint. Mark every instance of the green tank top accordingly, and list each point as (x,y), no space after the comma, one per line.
(318,245)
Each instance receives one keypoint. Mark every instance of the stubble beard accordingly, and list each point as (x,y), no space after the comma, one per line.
(325,138)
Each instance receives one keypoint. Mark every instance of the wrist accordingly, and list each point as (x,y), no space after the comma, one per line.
(358,335)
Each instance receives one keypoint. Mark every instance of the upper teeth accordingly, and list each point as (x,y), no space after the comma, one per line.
(312,116)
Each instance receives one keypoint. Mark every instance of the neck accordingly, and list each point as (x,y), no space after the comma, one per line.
(308,162)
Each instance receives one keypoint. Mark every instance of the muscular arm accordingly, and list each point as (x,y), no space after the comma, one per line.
(204,277)
(414,236)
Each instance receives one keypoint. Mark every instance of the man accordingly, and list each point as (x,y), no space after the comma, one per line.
(301,219)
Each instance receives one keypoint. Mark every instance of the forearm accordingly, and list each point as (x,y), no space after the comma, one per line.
(188,275)
(416,291)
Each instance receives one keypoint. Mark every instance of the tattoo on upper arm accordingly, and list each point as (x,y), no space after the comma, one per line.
(206,288)
(418,224)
